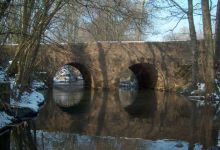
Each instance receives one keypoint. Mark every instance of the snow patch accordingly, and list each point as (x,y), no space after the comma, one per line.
(2,75)
(12,44)
(217,83)
(5,119)
(218,144)
(200,89)
(216,96)
(29,100)
(38,85)
(201,86)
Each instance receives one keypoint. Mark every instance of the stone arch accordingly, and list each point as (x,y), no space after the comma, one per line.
(148,75)
(88,82)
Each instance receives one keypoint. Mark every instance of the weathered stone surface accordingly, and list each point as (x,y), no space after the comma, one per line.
(159,65)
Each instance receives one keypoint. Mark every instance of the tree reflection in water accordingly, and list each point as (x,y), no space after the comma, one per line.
(101,117)
(5,140)
(23,138)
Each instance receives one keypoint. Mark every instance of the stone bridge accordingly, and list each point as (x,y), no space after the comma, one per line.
(158,65)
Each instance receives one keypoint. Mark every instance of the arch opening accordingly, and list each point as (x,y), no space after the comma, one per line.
(73,73)
(69,86)
(139,76)
(128,80)
(146,75)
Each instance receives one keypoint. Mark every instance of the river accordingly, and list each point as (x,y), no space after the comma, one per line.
(83,119)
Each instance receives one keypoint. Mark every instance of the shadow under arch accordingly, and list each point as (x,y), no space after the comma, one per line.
(146,75)
(140,104)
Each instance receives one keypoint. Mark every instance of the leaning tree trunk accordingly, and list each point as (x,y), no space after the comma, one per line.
(25,27)
(194,46)
(209,48)
(29,54)
(29,46)
(13,68)
(26,63)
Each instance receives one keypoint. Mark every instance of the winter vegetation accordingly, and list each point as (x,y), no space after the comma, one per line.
(28,24)
(13,110)
(59,21)
(5,119)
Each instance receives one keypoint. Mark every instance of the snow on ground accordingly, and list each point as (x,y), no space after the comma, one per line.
(38,85)
(29,100)
(2,75)
(5,119)
(200,89)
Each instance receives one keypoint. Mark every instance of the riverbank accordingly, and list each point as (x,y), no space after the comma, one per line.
(14,110)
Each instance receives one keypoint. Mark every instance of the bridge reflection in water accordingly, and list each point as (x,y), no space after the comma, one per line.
(75,118)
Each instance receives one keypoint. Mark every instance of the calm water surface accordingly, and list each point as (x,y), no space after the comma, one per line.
(75,118)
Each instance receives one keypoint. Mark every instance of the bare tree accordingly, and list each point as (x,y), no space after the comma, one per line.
(193,39)
(194,46)
(35,19)
(4,5)
(217,38)
(66,23)
(209,47)
(181,35)
(178,11)
(104,20)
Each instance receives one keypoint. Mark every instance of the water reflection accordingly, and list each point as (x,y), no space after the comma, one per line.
(75,118)
(63,93)
(71,99)
(142,104)
(143,114)
(67,141)
(22,138)
(127,97)
(5,140)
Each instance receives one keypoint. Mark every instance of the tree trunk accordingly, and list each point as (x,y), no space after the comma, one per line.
(209,48)
(194,46)
(26,63)
(13,68)
(217,38)
(25,21)
(34,25)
